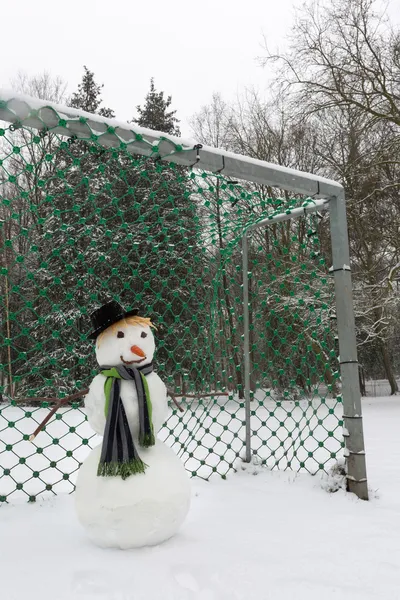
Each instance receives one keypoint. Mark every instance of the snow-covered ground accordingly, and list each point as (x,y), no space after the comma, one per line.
(257,535)
(378,387)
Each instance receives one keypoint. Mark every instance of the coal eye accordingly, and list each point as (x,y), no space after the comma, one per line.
(120,334)
(143,334)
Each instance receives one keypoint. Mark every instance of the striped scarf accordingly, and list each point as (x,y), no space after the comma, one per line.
(119,456)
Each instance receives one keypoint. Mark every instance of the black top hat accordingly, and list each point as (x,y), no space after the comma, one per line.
(107,315)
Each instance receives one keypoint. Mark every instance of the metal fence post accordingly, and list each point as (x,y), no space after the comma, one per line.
(354,435)
(246,343)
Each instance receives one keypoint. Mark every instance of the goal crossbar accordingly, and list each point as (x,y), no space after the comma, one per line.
(39,114)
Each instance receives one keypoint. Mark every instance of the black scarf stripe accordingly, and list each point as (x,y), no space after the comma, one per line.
(118,450)
(111,423)
(131,450)
(117,441)
(140,393)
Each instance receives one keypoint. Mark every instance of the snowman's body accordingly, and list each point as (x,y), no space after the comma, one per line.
(146,508)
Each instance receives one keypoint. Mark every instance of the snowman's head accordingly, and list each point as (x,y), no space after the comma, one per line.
(129,342)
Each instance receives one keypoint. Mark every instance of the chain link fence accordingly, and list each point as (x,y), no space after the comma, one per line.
(85,220)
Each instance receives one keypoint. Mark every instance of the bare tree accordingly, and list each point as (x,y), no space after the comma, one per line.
(42,85)
(212,124)
(265,130)
(343,53)
(342,71)
(29,165)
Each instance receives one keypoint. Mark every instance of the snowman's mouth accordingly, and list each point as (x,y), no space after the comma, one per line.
(132,362)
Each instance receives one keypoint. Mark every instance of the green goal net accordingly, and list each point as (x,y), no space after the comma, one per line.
(81,224)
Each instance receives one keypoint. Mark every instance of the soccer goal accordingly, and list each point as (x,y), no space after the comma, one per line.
(242,265)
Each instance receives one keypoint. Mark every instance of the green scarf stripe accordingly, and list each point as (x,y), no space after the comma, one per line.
(149,439)
(107,391)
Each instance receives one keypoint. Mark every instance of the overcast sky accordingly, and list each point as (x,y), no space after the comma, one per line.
(191,48)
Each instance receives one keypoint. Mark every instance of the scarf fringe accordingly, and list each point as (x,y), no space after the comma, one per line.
(147,439)
(123,470)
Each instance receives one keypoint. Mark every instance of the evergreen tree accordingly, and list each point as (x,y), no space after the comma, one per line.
(168,257)
(72,247)
(88,96)
(116,226)
(154,114)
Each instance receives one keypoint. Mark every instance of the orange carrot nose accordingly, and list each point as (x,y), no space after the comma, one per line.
(138,351)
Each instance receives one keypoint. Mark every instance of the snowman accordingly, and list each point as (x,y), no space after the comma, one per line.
(132,490)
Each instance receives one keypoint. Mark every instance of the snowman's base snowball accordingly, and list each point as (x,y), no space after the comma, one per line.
(144,510)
